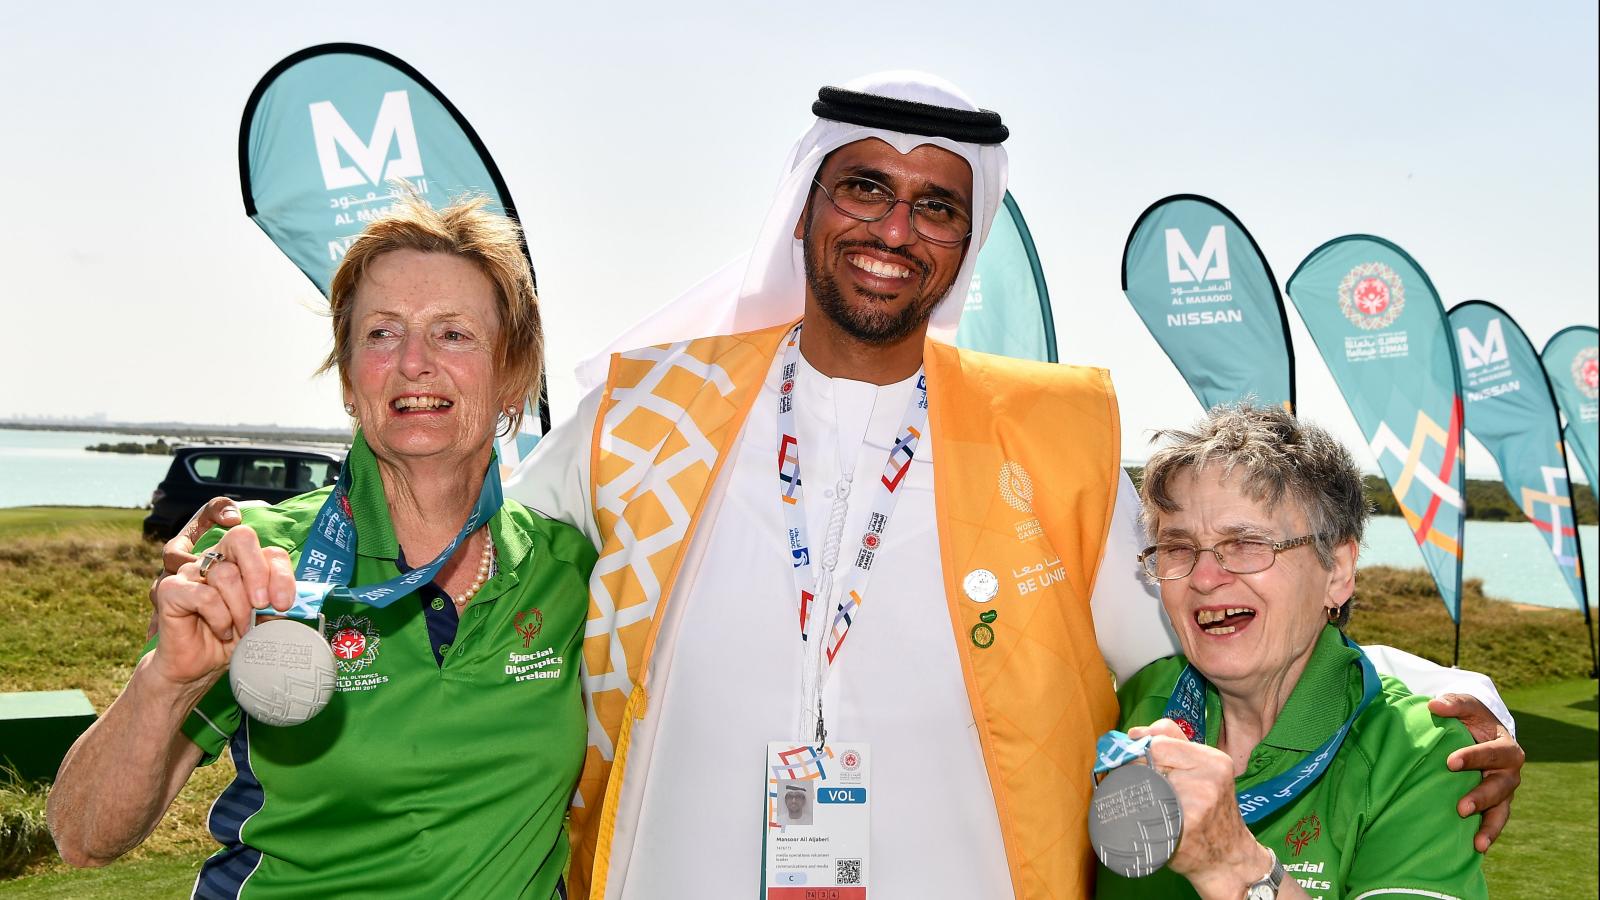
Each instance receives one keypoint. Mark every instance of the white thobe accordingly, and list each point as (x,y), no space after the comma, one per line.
(725,677)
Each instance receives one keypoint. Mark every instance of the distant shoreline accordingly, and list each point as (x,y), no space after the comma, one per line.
(200,433)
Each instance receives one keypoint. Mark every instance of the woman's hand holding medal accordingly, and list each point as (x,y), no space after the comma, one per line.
(201,615)
(1217,853)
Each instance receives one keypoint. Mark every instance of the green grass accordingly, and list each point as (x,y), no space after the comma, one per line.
(1548,849)
(24,837)
(73,592)
(1514,644)
(35,521)
(163,877)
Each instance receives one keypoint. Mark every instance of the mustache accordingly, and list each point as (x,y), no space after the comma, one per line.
(844,247)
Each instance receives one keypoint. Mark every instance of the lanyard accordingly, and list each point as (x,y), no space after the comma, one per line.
(1187,707)
(850,586)
(328,559)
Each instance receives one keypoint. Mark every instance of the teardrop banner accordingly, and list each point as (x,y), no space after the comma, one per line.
(1200,283)
(324,134)
(1572,362)
(1007,309)
(1511,410)
(1377,320)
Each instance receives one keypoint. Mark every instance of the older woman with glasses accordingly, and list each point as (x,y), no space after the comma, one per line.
(1298,770)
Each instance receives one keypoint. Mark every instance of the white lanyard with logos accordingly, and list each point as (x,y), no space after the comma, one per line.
(849,587)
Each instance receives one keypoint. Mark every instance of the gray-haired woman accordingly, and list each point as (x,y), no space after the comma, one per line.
(1299,770)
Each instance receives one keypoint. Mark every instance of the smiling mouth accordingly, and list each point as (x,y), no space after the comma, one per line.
(419,404)
(1223,621)
(878,267)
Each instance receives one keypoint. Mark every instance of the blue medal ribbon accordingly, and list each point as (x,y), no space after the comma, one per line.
(328,559)
(1187,707)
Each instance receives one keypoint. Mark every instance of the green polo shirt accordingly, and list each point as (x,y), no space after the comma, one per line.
(1380,822)
(444,764)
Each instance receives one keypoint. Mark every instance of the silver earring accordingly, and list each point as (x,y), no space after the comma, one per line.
(350,410)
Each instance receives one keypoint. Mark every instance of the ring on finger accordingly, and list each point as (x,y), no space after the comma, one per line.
(209,559)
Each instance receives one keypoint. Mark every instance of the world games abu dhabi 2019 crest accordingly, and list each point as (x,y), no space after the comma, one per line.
(1372,296)
(354,643)
(1016,488)
(1586,372)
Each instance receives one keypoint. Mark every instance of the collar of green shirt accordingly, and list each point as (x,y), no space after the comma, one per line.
(375,530)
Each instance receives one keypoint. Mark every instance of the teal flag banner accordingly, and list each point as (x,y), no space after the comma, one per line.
(323,135)
(1199,282)
(1008,307)
(1510,409)
(1378,323)
(1570,361)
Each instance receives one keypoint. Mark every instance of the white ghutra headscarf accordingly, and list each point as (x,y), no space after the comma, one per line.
(768,286)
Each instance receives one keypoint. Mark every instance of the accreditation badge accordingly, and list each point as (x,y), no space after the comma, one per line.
(818,823)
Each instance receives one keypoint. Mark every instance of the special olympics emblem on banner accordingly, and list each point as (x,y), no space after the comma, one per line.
(1372,296)
(1586,372)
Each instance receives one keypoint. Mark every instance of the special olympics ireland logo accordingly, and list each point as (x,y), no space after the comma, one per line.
(1372,296)
(1586,373)
(1016,488)
(354,643)
(528,624)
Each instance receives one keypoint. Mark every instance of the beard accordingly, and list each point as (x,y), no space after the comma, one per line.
(871,322)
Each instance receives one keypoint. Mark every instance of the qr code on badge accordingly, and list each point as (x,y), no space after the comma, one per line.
(846,871)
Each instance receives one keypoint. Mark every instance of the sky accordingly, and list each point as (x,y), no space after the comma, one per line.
(642,143)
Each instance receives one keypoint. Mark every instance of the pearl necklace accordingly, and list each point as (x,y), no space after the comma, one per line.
(484,565)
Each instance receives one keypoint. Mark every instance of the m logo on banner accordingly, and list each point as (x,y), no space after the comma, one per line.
(1491,349)
(1210,264)
(372,163)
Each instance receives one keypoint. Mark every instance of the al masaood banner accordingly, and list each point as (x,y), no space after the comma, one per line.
(1207,295)
(325,134)
(1007,309)
(1378,323)
(1571,360)
(1510,410)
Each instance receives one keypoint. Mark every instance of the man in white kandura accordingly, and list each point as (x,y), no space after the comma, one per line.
(796,540)
(954,536)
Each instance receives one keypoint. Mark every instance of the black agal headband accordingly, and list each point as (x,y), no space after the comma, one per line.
(909,116)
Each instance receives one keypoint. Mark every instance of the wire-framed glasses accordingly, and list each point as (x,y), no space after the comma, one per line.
(865,200)
(1241,556)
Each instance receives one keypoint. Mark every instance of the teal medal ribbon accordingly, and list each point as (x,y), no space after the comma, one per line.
(1187,707)
(327,561)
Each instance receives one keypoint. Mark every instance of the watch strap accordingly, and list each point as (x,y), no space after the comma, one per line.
(1266,887)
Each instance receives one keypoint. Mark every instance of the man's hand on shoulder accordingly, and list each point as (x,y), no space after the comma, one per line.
(1496,754)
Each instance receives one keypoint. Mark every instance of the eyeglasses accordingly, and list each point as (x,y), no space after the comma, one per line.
(1241,556)
(866,200)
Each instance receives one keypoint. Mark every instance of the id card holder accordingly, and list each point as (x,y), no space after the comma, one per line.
(818,821)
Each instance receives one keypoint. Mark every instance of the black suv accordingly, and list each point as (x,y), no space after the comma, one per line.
(240,471)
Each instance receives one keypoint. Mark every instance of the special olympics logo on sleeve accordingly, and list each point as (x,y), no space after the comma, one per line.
(1372,296)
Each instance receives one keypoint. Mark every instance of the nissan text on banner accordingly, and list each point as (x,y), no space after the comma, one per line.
(323,135)
(1511,411)
(1378,323)
(1007,311)
(1202,287)
(1570,361)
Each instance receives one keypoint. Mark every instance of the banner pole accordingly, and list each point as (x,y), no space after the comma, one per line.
(1455,659)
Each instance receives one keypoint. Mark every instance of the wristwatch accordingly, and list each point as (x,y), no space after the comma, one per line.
(1266,887)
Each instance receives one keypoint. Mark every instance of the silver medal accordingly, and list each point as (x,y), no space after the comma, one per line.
(1134,820)
(980,585)
(282,671)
